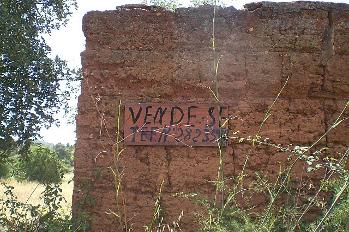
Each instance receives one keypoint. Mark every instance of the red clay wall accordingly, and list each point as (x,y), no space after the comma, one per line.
(151,55)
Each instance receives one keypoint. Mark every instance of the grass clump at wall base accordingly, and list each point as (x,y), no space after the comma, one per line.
(234,218)
(287,206)
(338,218)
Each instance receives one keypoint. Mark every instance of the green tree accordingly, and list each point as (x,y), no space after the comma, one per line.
(167,4)
(197,3)
(30,77)
(64,152)
(42,165)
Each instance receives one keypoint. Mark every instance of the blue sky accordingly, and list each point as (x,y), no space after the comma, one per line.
(69,42)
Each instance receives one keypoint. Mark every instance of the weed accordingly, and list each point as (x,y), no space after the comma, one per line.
(18,216)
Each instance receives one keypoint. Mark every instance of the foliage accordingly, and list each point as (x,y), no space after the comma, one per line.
(7,147)
(338,220)
(42,165)
(174,4)
(229,219)
(65,153)
(157,215)
(4,168)
(237,211)
(8,165)
(167,4)
(29,77)
(157,222)
(197,3)
(16,216)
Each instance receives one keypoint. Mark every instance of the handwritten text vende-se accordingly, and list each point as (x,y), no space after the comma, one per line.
(175,124)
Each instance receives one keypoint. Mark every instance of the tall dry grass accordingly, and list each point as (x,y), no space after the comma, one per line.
(30,191)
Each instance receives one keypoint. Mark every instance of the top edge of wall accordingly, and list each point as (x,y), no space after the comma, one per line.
(275,6)
(298,5)
(207,10)
(284,6)
(263,26)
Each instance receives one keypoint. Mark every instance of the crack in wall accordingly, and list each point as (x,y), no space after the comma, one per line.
(327,47)
(328,39)
(327,54)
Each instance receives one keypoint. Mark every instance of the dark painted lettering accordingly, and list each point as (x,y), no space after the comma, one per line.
(147,114)
(206,134)
(153,132)
(222,110)
(165,131)
(190,113)
(163,134)
(173,113)
(161,113)
(210,113)
(179,135)
(144,134)
(176,124)
(198,133)
(135,118)
(188,134)
(215,135)
(134,130)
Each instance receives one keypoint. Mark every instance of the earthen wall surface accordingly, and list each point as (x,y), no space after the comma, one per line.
(146,54)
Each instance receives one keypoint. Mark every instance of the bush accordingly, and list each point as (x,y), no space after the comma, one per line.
(65,153)
(42,165)
(338,219)
(16,216)
(287,201)
(4,169)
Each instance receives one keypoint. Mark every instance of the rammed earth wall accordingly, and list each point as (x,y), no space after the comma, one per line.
(146,54)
